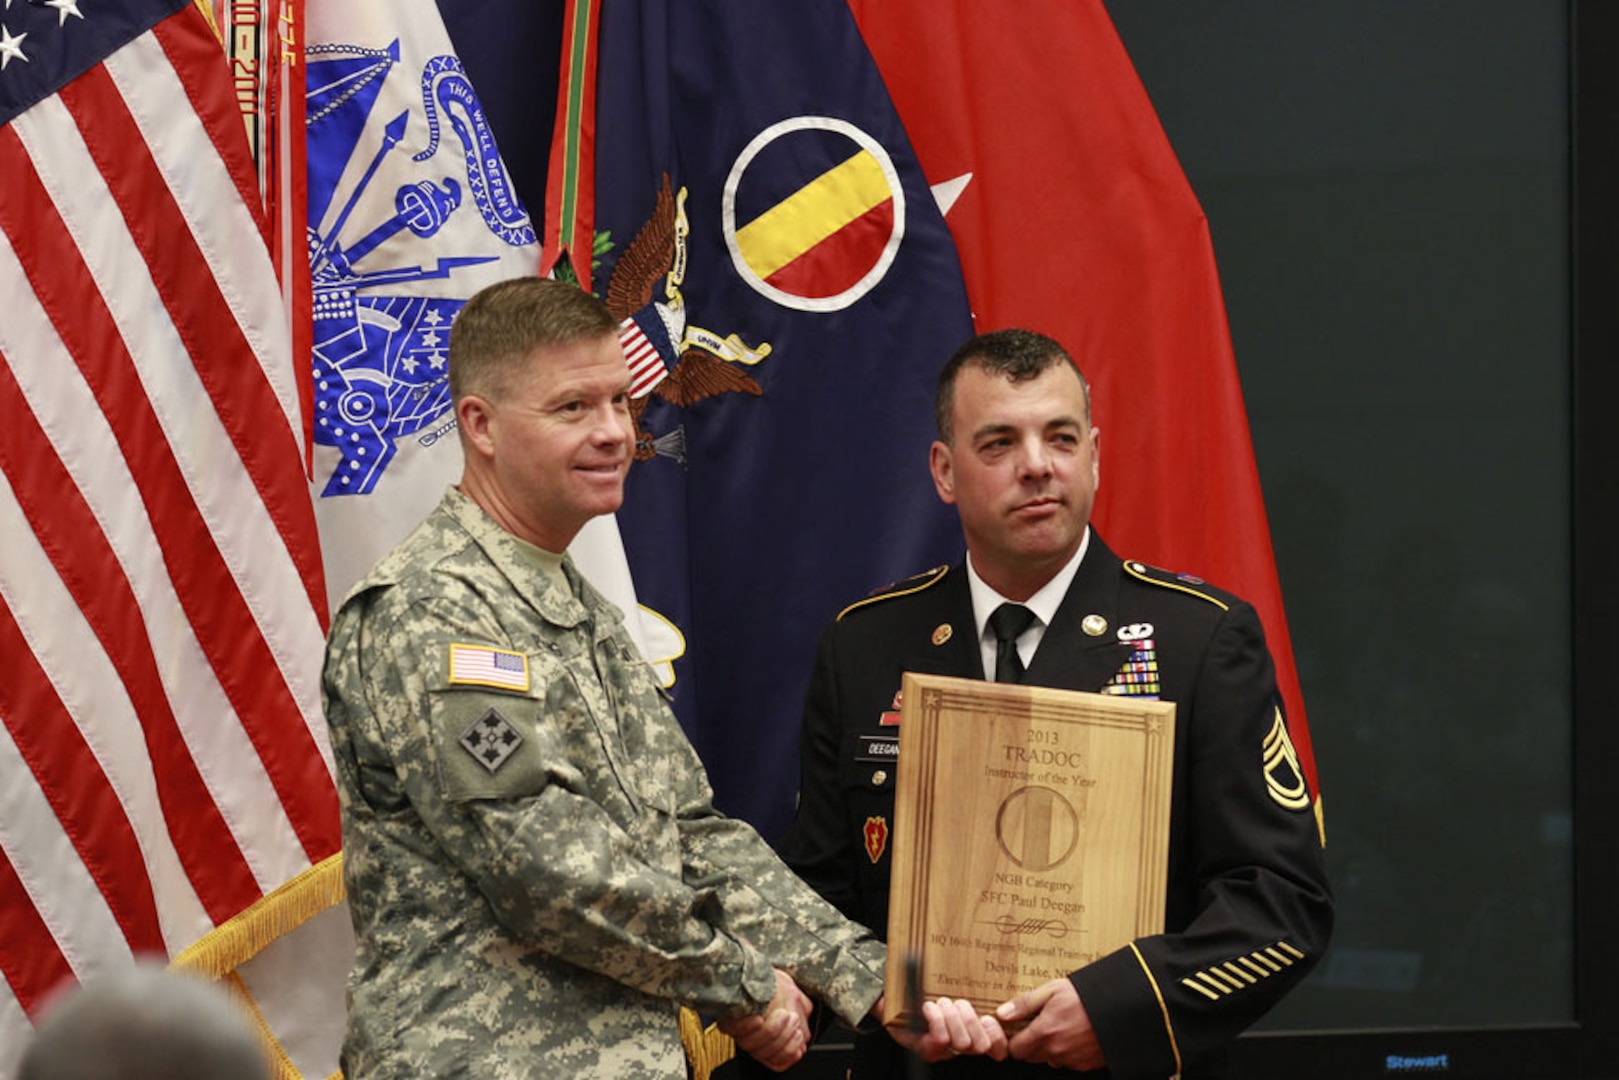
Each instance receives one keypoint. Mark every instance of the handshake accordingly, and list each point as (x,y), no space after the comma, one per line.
(1049,1025)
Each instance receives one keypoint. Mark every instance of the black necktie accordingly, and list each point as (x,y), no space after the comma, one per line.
(1009,621)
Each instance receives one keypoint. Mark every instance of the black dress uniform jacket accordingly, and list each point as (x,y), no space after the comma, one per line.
(1248,909)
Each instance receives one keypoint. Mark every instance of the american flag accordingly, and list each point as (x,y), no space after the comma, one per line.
(488,667)
(648,368)
(163,761)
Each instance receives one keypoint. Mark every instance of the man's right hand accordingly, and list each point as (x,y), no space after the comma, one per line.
(954,1027)
(777,1037)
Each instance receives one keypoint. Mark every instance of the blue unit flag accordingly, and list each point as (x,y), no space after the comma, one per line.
(790,291)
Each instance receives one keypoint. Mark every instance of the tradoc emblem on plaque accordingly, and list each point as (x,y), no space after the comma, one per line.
(1037,828)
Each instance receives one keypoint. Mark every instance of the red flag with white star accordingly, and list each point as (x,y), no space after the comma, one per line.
(1072,217)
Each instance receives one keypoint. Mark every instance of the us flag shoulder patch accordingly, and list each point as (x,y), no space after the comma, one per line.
(479,665)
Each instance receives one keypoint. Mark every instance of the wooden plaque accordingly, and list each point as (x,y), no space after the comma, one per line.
(1031,835)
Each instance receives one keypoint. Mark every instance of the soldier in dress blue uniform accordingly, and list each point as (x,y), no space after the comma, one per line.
(1248,910)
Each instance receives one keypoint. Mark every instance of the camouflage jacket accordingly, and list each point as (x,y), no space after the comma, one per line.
(536,873)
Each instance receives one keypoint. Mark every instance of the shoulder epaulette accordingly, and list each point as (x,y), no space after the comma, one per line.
(1186,583)
(913,584)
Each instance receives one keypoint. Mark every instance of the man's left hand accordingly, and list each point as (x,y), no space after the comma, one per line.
(777,1037)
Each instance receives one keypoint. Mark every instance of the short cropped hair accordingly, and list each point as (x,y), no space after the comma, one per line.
(502,324)
(1018,354)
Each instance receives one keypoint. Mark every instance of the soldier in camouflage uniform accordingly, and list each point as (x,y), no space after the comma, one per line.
(536,873)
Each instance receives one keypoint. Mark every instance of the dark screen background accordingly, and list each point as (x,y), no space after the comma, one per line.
(1387,184)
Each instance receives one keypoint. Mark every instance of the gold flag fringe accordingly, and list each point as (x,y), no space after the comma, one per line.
(219,953)
(707,1048)
(281,1066)
(233,943)
(207,10)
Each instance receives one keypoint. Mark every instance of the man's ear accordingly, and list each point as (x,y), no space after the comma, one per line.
(1096,458)
(475,416)
(941,464)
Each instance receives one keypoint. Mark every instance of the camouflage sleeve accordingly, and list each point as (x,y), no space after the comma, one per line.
(765,903)
(572,858)
(760,899)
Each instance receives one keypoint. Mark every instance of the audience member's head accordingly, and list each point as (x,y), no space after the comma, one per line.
(144,1023)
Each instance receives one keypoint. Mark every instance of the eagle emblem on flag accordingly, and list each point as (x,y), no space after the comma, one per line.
(669,356)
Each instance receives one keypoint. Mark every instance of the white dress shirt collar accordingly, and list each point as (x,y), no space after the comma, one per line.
(1043,603)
